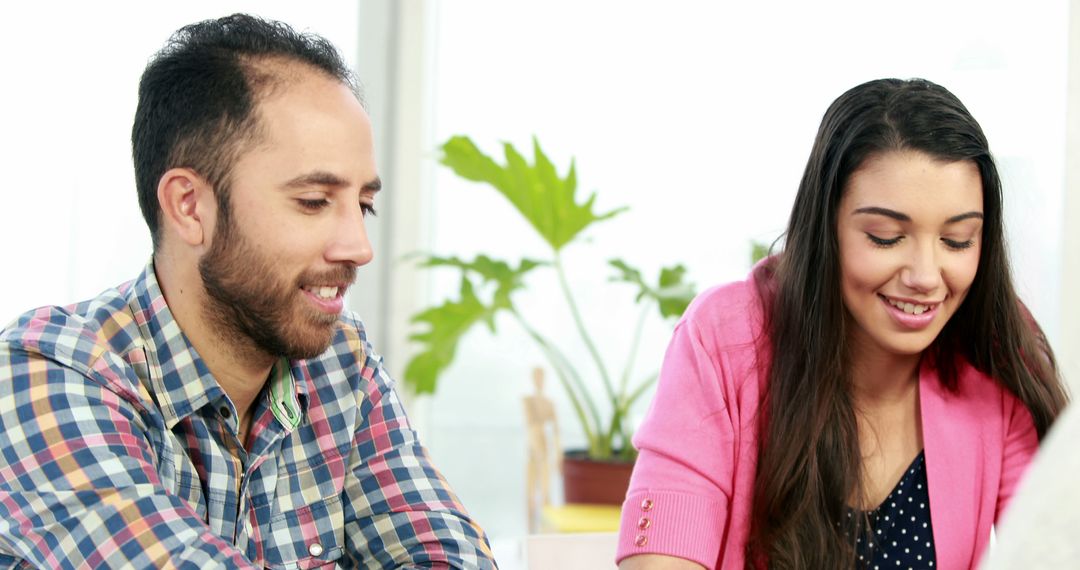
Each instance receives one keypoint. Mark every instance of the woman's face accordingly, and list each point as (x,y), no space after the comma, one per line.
(909,229)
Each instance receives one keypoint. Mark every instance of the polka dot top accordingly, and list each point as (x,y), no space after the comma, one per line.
(900,534)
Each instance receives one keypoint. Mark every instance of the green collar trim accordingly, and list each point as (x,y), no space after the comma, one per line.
(283,400)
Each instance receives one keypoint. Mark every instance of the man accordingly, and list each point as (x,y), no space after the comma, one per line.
(222,410)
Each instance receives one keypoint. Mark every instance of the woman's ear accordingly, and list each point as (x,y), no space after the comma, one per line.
(180,193)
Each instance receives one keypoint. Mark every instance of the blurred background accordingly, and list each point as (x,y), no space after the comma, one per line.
(696,115)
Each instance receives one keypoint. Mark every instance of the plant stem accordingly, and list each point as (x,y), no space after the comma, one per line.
(648,381)
(570,379)
(625,380)
(581,329)
(622,411)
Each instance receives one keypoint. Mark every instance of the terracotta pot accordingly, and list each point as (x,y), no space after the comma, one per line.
(598,482)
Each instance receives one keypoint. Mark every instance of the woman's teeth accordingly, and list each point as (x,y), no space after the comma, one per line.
(908,307)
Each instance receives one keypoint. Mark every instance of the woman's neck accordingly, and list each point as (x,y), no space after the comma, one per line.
(885,394)
(879,377)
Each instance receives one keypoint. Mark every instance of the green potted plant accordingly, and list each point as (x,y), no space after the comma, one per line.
(490,287)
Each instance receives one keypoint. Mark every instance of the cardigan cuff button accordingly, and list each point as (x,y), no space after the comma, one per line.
(641,540)
(647,505)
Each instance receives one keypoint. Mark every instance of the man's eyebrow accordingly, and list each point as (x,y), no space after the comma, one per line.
(316,178)
(323,178)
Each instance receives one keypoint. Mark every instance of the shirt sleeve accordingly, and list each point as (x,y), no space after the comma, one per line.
(78,483)
(399,511)
(680,492)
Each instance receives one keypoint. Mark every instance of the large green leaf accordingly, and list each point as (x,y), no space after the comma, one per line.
(547,201)
(630,275)
(672,293)
(448,323)
(506,278)
(758,251)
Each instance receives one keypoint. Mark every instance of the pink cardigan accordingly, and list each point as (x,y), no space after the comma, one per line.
(690,494)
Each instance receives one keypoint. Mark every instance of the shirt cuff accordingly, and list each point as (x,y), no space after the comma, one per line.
(672,524)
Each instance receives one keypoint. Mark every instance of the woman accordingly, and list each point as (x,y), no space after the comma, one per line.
(870,396)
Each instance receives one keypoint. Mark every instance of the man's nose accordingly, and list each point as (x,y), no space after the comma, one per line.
(349,242)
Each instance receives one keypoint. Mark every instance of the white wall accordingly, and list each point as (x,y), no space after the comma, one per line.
(69,218)
(1069,336)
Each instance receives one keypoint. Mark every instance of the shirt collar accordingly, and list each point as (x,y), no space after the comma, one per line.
(180,381)
(284,395)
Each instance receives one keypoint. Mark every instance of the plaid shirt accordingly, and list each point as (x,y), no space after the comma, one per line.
(119,449)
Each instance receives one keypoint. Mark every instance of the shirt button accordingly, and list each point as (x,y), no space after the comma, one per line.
(225,413)
(647,505)
(315,549)
(641,540)
(644,523)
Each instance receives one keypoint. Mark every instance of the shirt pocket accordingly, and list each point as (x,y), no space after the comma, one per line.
(311,536)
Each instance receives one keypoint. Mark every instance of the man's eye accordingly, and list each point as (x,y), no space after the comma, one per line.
(313,204)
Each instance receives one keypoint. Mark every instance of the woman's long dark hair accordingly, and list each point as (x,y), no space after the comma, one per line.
(809,462)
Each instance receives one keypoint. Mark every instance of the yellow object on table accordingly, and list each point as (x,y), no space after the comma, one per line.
(580,517)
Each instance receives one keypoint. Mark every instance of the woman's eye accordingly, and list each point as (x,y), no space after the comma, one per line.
(884,242)
(369,209)
(958,245)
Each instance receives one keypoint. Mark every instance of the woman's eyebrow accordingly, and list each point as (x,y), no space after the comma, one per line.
(902,217)
(964,216)
(898,216)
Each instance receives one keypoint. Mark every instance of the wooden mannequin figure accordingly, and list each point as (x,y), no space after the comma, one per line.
(539,415)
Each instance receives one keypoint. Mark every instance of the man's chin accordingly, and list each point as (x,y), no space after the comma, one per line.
(312,345)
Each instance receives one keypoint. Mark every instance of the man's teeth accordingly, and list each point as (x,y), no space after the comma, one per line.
(323,292)
(909,308)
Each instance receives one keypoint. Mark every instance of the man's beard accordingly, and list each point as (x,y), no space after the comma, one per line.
(246,297)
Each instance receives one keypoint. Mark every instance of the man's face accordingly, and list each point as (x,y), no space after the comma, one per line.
(286,249)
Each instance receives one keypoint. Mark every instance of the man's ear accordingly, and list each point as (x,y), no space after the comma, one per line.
(186,198)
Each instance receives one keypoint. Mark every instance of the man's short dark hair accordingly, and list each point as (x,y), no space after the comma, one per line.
(198,96)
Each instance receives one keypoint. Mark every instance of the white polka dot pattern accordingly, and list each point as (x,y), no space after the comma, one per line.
(900,534)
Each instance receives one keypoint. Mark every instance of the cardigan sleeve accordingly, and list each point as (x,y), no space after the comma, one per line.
(1021,443)
(680,493)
